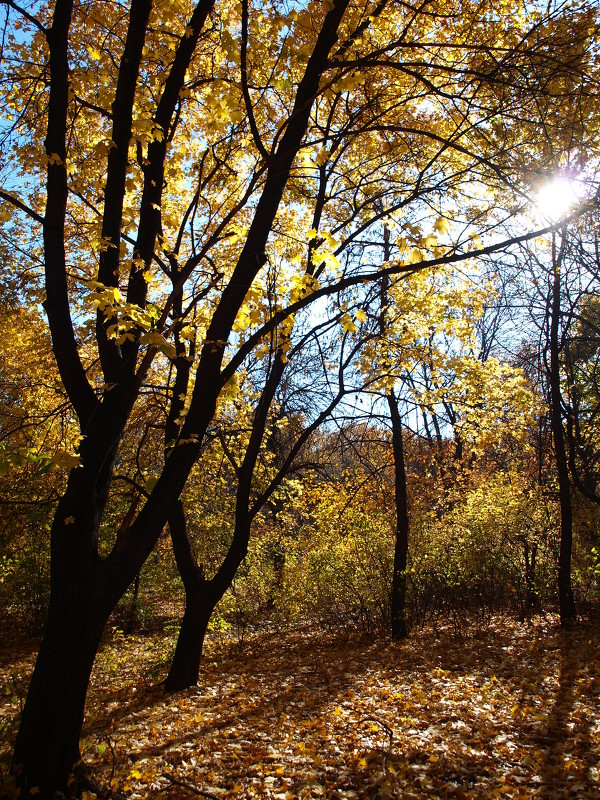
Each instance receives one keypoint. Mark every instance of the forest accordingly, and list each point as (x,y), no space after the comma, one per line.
(300,399)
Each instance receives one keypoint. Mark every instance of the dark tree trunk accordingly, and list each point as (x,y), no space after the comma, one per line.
(47,744)
(201,598)
(398,598)
(565,591)
(201,595)
(185,667)
(200,601)
(398,603)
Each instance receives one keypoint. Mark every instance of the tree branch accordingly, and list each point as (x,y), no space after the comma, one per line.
(10,198)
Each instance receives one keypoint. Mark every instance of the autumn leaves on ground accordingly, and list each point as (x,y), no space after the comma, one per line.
(503,710)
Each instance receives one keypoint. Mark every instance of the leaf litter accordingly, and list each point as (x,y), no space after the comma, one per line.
(508,711)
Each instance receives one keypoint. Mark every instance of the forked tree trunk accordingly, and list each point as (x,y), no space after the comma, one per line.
(201,595)
(200,602)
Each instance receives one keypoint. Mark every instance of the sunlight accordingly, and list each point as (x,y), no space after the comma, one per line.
(557,197)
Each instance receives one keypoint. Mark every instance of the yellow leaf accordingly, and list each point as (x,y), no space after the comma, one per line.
(331,243)
(348,324)
(94,53)
(441,225)
(321,157)
(337,712)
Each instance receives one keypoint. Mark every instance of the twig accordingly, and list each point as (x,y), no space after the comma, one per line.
(18,691)
(114,758)
(190,787)
(389,732)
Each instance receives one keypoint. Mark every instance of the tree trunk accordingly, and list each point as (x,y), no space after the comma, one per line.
(85,589)
(398,598)
(185,667)
(565,591)
(398,603)
(47,744)
(201,597)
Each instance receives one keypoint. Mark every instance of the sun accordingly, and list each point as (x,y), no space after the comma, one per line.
(556,198)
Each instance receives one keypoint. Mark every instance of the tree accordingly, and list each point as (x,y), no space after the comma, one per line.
(565,590)
(85,588)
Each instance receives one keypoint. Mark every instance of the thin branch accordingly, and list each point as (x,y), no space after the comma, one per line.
(390,734)
(190,787)
(245,91)
(29,17)
(10,198)
(452,257)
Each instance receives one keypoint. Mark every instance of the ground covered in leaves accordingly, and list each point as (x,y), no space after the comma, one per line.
(508,711)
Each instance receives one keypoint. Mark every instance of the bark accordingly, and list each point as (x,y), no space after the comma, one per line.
(201,595)
(47,744)
(56,304)
(398,603)
(398,595)
(198,607)
(185,667)
(565,591)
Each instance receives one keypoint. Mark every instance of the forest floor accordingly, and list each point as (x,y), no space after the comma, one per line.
(506,711)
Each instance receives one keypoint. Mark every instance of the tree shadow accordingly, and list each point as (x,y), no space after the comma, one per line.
(264,691)
(566,742)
